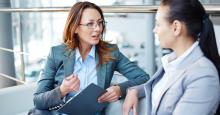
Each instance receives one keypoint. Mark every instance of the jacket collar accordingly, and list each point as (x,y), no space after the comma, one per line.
(171,62)
(188,61)
(69,61)
(148,90)
(101,72)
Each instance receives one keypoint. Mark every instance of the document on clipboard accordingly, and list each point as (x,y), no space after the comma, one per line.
(85,102)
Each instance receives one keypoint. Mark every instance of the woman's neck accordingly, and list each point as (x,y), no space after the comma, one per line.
(182,46)
(84,50)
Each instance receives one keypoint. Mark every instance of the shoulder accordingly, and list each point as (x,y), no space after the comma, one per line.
(114,46)
(202,77)
(58,51)
(202,69)
(60,47)
(203,66)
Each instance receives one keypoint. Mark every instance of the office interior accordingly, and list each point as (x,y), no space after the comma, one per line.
(30,27)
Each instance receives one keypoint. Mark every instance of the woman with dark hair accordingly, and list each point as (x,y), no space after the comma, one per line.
(82,59)
(188,81)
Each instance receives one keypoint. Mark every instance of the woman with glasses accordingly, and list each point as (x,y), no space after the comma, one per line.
(188,82)
(82,59)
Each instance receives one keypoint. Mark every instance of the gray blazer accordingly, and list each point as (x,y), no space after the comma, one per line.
(60,64)
(192,90)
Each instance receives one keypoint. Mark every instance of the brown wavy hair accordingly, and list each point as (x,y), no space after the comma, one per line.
(71,39)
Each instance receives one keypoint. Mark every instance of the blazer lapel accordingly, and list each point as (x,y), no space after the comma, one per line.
(156,75)
(101,72)
(172,79)
(68,62)
(188,61)
(148,90)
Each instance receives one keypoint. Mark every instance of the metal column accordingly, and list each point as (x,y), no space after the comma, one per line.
(6,58)
(150,47)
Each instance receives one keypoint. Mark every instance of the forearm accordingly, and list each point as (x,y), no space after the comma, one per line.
(48,99)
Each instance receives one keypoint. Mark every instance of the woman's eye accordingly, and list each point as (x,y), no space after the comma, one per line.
(90,24)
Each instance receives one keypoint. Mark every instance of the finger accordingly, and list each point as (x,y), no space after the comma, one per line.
(75,75)
(75,85)
(74,78)
(105,95)
(69,77)
(111,97)
(68,83)
(78,87)
(125,110)
(135,109)
(102,97)
(114,90)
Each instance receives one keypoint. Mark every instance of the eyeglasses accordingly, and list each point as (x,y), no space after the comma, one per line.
(93,25)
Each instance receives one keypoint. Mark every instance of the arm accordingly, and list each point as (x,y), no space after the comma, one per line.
(131,101)
(46,95)
(201,97)
(131,71)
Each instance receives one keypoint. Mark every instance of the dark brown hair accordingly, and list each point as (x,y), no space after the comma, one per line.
(198,24)
(73,20)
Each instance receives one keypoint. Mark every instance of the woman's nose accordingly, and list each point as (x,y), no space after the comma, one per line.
(97,27)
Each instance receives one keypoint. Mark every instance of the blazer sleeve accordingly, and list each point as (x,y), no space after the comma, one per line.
(131,71)
(46,96)
(139,89)
(201,97)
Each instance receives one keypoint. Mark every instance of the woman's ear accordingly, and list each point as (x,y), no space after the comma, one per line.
(177,27)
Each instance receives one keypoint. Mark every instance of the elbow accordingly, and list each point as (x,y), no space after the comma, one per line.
(39,103)
(144,78)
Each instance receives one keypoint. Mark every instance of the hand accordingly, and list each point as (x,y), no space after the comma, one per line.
(131,102)
(112,94)
(70,83)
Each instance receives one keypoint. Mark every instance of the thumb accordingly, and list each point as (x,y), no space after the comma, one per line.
(135,110)
(126,110)
(69,77)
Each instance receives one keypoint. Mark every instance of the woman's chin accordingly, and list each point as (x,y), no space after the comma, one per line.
(162,46)
(95,42)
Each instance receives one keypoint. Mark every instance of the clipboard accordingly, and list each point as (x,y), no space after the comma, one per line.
(85,102)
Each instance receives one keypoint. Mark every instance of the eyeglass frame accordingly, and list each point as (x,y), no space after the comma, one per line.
(94,24)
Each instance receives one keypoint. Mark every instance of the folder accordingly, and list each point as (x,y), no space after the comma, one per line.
(85,102)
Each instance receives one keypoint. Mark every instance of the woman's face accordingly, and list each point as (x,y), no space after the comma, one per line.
(90,27)
(163,29)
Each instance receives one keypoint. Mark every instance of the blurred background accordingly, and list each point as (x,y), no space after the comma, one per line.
(26,37)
